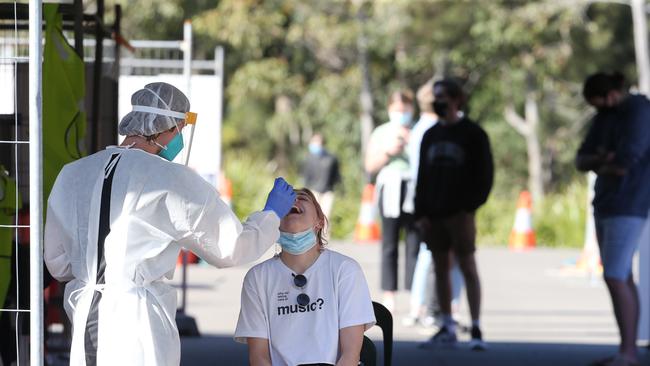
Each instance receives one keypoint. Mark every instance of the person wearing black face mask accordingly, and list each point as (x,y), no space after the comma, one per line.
(617,149)
(455,177)
(441,107)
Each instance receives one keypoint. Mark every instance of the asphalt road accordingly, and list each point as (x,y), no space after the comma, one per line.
(537,310)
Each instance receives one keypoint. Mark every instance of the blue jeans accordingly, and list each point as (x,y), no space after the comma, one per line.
(618,239)
(419,287)
(419,284)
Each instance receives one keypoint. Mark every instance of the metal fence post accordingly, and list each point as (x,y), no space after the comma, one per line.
(36,182)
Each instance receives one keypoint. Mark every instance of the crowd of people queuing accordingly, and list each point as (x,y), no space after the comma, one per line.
(432,177)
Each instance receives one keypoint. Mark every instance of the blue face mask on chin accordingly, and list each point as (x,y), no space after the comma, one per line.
(172,149)
(297,243)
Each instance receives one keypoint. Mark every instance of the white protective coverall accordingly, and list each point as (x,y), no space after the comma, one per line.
(116,221)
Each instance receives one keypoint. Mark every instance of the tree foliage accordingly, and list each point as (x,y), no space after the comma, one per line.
(292,69)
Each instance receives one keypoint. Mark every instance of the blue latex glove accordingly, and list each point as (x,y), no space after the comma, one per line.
(281,198)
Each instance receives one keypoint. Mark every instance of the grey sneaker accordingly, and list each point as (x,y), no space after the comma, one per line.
(410,321)
(443,339)
(430,322)
(477,343)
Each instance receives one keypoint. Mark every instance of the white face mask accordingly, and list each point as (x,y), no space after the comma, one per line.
(400,118)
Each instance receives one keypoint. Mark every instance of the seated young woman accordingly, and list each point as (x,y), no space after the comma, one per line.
(307,305)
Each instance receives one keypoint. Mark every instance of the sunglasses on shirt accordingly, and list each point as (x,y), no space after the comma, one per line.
(300,282)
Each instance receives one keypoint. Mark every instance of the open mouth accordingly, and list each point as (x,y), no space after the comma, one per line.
(295,210)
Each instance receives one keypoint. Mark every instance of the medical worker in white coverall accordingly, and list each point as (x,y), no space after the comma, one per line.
(116,222)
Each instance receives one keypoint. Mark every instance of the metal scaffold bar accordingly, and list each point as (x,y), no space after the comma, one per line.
(36,183)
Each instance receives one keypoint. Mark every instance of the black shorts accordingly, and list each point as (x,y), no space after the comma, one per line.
(456,232)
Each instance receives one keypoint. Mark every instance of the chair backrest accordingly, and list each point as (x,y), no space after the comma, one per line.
(368,355)
(385,322)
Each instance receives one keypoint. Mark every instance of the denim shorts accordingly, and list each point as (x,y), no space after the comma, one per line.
(618,239)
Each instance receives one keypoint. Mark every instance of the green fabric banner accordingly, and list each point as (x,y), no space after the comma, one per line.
(64,117)
(8,206)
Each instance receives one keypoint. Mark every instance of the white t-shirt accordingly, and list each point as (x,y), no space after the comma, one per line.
(339,298)
(415,140)
(413,148)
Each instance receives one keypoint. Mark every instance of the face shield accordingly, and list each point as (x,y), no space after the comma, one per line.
(177,143)
(190,119)
(157,108)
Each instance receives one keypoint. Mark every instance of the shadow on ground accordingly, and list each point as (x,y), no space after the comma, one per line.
(222,350)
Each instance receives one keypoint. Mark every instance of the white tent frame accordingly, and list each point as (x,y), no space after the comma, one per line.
(36,182)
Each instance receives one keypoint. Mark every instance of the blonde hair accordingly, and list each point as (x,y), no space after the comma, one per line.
(402,95)
(322,219)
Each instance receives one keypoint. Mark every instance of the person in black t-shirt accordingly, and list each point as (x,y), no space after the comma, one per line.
(454,179)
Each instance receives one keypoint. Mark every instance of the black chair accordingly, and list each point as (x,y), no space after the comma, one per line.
(385,322)
(368,353)
(368,350)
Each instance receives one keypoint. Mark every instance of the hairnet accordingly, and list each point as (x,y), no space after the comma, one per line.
(156,95)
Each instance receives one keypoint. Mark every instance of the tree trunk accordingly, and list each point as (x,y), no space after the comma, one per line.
(284,108)
(366,102)
(527,127)
(641,45)
(535,171)
(400,57)
(535,176)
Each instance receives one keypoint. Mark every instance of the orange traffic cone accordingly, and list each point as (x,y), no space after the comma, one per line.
(367,229)
(522,236)
(225,189)
(589,260)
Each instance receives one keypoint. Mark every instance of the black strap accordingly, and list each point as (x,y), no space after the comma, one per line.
(92,323)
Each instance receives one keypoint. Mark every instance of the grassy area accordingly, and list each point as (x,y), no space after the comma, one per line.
(253,180)
(559,220)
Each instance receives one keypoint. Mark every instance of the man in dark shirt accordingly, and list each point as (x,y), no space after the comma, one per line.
(321,173)
(454,179)
(617,149)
